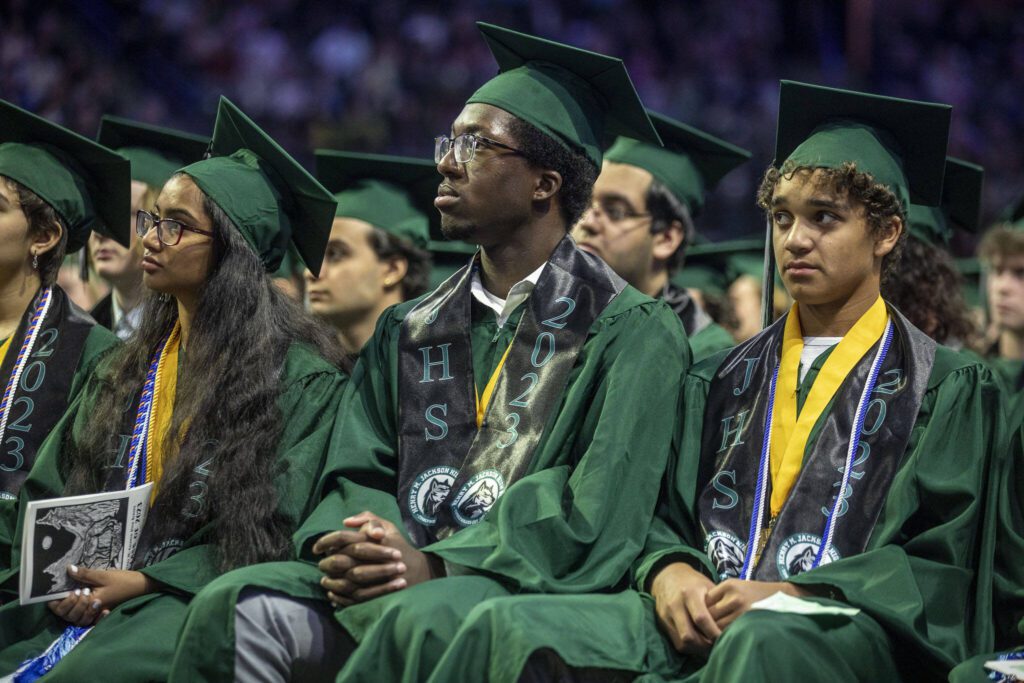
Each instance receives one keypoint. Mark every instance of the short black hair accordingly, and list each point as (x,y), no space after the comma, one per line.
(665,208)
(417,274)
(578,172)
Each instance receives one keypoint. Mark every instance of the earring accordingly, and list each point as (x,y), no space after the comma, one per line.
(388,282)
(35,261)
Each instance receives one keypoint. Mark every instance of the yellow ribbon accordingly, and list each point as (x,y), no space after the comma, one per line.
(483,401)
(790,429)
(3,349)
(164,389)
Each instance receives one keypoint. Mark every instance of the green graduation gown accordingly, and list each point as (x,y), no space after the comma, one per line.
(706,337)
(1008,577)
(138,636)
(573,523)
(925,560)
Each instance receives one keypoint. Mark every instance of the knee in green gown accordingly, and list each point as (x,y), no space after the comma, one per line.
(764,646)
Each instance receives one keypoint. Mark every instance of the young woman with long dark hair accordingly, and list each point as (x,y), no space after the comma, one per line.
(224,400)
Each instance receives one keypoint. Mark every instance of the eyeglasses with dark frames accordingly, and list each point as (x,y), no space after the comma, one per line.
(168,230)
(464,147)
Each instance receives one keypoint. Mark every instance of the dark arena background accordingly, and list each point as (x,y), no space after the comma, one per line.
(387,75)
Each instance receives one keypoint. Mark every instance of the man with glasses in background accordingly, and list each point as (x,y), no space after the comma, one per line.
(507,432)
(641,219)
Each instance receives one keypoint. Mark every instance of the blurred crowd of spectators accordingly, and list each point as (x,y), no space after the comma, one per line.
(388,75)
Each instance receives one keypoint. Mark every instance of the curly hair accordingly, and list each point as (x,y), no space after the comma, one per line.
(578,172)
(41,218)
(927,288)
(226,419)
(417,275)
(665,208)
(880,203)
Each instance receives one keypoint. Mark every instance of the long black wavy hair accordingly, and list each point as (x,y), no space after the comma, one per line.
(226,417)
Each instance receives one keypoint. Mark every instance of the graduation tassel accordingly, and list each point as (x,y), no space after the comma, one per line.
(768,281)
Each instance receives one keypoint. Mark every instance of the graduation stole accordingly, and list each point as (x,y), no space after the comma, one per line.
(152,422)
(694,318)
(36,375)
(833,488)
(453,468)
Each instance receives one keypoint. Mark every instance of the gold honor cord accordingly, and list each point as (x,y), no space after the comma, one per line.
(483,401)
(3,349)
(164,388)
(790,429)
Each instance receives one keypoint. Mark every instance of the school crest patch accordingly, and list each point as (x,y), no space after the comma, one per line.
(477,496)
(796,554)
(726,551)
(429,491)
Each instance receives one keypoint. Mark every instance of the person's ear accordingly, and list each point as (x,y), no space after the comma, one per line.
(667,242)
(887,238)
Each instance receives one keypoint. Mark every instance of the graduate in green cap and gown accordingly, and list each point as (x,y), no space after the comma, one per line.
(927,287)
(641,218)
(1002,254)
(886,581)
(506,433)
(377,253)
(55,187)
(155,154)
(224,401)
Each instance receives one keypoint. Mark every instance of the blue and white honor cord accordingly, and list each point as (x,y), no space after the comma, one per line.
(28,343)
(760,492)
(34,668)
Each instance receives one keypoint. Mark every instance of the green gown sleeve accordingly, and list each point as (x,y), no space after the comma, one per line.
(362,467)
(674,534)
(577,528)
(1008,583)
(309,405)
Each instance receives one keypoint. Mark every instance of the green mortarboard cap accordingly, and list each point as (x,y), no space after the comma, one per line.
(154,152)
(960,207)
(393,193)
(577,97)
(690,164)
(901,143)
(271,199)
(88,185)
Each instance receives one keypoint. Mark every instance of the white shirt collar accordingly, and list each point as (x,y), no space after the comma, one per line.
(503,308)
(124,324)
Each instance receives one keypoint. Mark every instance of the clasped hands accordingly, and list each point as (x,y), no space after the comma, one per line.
(693,611)
(370,558)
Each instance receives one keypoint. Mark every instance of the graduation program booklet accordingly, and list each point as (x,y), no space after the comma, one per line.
(98,531)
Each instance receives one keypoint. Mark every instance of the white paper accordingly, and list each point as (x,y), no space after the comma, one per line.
(1014,667)
(781,602)
(98,531)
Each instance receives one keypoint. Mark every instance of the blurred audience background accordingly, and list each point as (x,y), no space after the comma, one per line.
(389,75)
